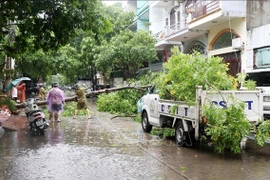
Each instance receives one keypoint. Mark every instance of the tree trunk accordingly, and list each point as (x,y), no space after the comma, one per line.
(73,98)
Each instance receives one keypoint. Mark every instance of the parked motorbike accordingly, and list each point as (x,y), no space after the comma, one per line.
(36,117)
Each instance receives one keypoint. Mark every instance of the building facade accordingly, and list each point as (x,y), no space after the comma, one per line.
(216,28)
(238,31)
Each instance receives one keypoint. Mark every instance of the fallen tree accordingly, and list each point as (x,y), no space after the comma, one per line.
(94,93)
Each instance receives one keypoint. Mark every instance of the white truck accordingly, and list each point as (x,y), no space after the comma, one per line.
(188,120)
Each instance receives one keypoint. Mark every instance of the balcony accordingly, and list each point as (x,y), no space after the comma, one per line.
(170,30)
(207,14)
(202,8)
(176,34)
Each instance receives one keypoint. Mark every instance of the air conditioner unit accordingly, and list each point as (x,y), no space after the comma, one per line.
(237,43)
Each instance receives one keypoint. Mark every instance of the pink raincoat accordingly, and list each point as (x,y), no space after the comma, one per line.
(55,96)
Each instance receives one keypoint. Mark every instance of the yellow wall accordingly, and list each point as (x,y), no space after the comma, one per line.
(239,27)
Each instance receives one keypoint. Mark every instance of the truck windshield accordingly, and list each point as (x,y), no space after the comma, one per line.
(261,78)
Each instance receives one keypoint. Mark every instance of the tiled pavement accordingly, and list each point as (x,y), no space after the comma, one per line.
(14,122)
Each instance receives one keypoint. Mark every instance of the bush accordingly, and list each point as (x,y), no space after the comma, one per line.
(121,102)
(9,103)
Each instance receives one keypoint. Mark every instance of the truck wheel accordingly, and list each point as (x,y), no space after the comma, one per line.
(145,124)
(180,135)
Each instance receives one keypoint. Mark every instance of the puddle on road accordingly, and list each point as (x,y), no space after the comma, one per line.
(63,161)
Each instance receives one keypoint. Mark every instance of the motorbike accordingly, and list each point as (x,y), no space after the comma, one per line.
(36,117)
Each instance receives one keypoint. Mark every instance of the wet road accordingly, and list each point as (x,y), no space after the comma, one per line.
(116,149)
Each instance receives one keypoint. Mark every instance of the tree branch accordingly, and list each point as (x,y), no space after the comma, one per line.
(123,116)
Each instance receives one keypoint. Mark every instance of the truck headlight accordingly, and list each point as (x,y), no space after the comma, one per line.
(266,99)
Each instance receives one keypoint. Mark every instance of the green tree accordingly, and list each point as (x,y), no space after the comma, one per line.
(127,51)
(90,48)
(142,50)
(103,59)
(49,23)
(68,62)
(119,19)
(104,52)
(37,64)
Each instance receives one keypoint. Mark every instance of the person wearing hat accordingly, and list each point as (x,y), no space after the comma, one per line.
(42,92)
(55,99)
(81,100)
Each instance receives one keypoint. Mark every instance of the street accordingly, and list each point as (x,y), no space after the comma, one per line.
(112,149)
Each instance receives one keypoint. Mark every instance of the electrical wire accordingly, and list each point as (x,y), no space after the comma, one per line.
(236,56)
(164,163)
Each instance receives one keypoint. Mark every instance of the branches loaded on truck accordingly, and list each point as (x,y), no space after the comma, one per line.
(188,120)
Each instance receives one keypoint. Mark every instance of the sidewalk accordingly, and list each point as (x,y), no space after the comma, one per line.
(14,122)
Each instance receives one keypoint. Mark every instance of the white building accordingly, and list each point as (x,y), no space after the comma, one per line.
(238,31)
(209,27)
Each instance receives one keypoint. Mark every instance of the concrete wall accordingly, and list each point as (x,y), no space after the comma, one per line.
(131,6)
(257,13)
(157,18)
(236,8)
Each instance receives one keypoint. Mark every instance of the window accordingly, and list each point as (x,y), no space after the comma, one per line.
(224,40)
(196,46)
(262,78)
(262,57)
(167,22)
(178,20)
(172,17)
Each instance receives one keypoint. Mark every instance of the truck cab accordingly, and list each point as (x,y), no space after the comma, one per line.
(262,78)
(150,108)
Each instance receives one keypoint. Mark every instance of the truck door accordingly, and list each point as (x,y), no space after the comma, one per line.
(152,103)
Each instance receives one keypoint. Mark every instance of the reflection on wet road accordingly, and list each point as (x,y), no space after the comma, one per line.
(101,148)
(98,148)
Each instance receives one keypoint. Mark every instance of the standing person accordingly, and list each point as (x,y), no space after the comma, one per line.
(42,92)
(21,92)
(14,93)
(81,101)
(55,99)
